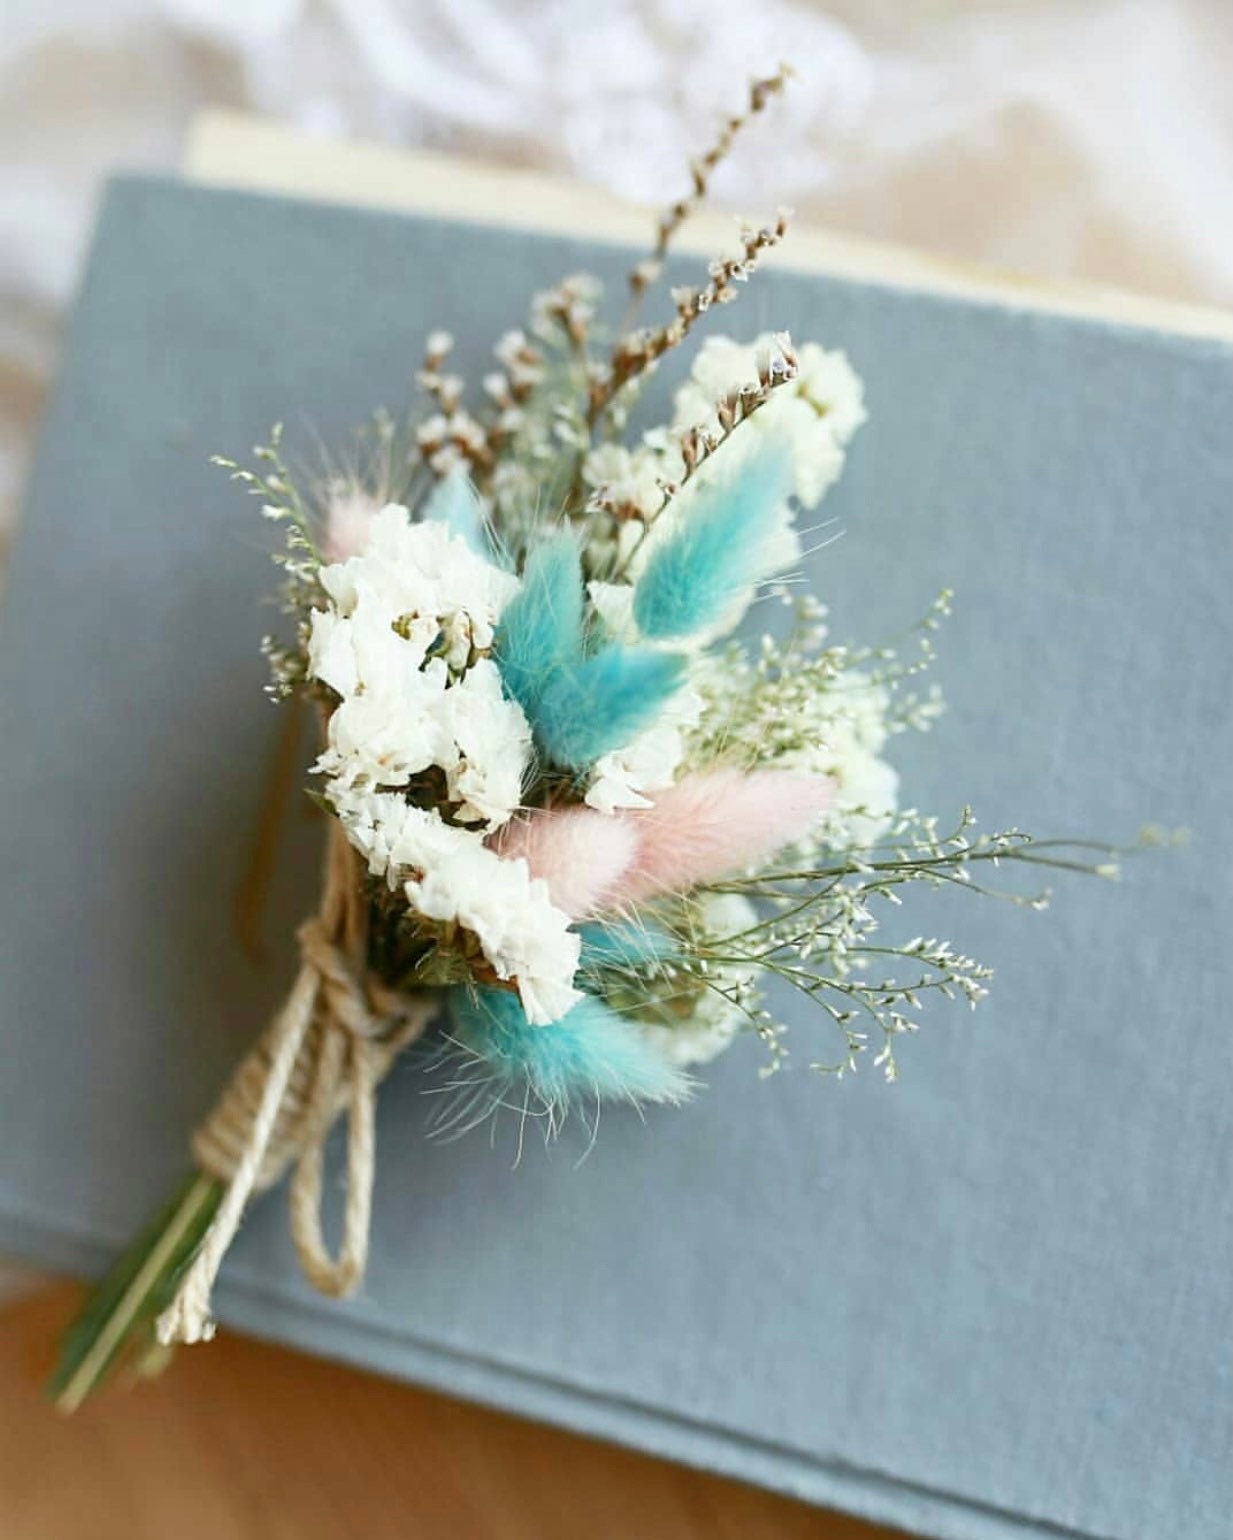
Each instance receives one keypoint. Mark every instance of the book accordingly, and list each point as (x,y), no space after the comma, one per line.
(989,1301)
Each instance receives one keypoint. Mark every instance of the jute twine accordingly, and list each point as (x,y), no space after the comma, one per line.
(326,1051)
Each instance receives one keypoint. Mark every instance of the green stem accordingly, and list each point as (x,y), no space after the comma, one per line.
(124,1304)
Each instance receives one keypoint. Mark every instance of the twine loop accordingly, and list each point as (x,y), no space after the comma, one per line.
(334,1039)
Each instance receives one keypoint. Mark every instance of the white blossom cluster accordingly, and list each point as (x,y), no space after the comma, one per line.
(449,876)
(815,414)
(404,643)
(632,479)
(649,762)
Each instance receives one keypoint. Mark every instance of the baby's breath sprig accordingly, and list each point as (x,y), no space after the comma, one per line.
(284,503)
(815,928)
(274,483)
(782,697)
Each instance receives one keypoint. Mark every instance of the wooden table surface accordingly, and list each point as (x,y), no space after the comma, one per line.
(241,1441)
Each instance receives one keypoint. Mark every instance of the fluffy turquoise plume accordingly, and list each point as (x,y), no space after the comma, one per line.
(591,1053)
(455,503)
(716,552)
(541,629)
(600,702)
(625,944)
(579,706)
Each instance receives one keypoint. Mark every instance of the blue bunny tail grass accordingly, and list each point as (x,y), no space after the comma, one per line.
(626,944)
(541,628)
(590,1055)
(599,703)
(579,706)
(713,556)
(455,503)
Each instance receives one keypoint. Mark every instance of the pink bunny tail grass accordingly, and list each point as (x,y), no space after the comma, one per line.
(714,825)
(349,511)
(581,854)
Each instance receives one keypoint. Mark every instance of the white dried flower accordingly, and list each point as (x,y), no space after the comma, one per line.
(614,604)
(649,762)
(403,643)
(450,876)
(817,412)
(510,346)
(629,479)
(433,430)
(493,743)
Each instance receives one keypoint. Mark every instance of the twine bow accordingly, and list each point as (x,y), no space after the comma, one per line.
(326,1051)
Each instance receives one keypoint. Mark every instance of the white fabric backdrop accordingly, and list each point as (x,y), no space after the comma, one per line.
(1092,138)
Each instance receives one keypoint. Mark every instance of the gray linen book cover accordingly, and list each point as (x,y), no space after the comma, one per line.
(992,1300)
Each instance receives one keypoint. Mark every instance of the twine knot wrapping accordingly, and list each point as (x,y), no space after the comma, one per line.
(326,1051)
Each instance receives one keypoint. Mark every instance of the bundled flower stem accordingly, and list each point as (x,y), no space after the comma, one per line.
(569,815)
(335,1038)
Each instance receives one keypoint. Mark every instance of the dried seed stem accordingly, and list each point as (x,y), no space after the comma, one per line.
(701,170)
(638,350)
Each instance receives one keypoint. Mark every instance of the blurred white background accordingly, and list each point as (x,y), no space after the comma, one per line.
(1088,139)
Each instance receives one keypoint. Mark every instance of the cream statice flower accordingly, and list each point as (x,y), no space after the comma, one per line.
(449,876)
(493,744)
(403,643)
(649,762)
(816,413)
(629,479)
(442,594)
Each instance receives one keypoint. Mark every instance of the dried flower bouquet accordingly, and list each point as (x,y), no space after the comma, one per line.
(573,824)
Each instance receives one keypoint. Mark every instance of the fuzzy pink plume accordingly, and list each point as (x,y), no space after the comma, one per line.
(581,854)
(349,512)
(715,824)
(708,826)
